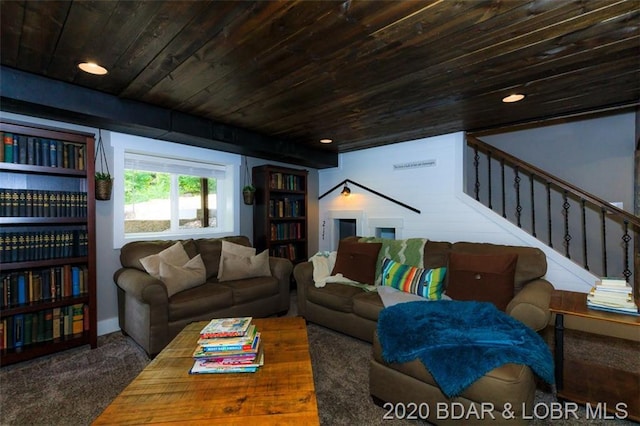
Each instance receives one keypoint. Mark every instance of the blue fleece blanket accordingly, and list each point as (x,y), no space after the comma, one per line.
(459,342)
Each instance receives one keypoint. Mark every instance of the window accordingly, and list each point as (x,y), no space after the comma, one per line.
(159,195)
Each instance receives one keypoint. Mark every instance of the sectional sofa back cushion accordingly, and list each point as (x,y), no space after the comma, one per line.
(531,264)
(482,277)
(357,261)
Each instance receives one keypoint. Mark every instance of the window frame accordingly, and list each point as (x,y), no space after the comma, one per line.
(229,198)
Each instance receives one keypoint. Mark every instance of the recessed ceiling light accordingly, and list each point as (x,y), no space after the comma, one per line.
(513,98)
(92,68)
(325,140)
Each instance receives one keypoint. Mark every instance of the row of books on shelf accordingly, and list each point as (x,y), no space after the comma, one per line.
(26,246)
(228,345)
(286,181)
(286,208)
(288,251)
(18,331)
(287,231)
(22,149)
(42,203)
(43,284)
(613,295)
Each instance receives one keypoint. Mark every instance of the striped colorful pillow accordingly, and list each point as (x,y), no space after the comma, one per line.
(428,283)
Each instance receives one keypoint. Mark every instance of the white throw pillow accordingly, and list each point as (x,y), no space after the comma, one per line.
(239,267)
(174,255)
(179,278)
(233,249)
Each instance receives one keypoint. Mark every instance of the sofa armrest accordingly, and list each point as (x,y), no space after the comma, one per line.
(142,286)
(531,304)
(281,269)
(303,274)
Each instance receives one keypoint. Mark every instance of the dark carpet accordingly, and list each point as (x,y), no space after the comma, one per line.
(73,387)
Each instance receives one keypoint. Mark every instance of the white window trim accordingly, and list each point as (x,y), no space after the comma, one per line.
(228,219)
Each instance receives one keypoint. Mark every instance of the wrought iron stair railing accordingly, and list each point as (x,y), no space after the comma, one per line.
(607,234)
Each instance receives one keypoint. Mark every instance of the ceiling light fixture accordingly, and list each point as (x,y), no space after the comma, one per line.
(326,140)
(92,68)
(346,191)
(513,98)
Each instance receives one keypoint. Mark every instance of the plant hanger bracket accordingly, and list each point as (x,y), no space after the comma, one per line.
(101,153)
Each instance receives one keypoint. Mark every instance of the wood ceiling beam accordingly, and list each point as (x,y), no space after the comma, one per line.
(26,93)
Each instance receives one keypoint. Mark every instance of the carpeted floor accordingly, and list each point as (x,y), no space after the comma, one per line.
(73,387)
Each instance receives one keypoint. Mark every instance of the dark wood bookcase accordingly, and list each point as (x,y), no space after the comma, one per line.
(280,211)
(47,231)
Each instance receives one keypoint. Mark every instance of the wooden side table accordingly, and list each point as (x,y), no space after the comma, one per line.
(591,383)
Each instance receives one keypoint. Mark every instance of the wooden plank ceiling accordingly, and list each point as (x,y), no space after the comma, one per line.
(363,73)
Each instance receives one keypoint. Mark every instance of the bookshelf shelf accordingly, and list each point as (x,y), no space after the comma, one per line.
(47,241)
(280,211)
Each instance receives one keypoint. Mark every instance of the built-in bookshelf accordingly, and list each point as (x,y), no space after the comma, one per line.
(47,241)
(280,211)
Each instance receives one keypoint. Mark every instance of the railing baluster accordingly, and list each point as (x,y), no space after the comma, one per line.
(533,209)
(518,206)
(504,209)
(476,162)
(549,222)
(489,179)
(584,235)
(626,238)
(603,230)
(567,235)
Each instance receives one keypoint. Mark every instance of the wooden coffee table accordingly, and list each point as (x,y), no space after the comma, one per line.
(585,382)
(280,392)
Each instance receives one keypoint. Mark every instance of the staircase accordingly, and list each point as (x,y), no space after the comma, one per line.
(592,233)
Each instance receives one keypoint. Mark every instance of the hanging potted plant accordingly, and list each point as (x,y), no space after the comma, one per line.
(103,179)
(248,193)
(248,190)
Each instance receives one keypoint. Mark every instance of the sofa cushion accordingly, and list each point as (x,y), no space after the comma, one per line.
(250,289)
(338,297)
(230,249)
(427,283)
(367,305)
(172,255)
(200,300)
(211,248)
(500,386)
(482,277)
(132,252)
(179,278)
(357,261)
(237,267)
(532,262)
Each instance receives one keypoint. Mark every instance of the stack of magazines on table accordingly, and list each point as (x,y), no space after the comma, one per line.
(228,345)
(613,295)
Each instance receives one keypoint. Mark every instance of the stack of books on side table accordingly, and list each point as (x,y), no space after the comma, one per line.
(228,345)
(613,295)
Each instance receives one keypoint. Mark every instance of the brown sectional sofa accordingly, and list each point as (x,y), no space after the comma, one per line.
(353,311)
(153,319)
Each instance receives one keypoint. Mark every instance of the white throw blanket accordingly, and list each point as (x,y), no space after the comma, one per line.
(323,263)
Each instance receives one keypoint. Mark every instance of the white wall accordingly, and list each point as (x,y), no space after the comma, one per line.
(446,213)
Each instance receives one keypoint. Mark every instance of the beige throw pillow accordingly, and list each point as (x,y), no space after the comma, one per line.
(179,278)
(236,267)
(174,255)
(233,249)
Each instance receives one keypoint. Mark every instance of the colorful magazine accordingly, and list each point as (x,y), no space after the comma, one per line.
(205,366)
(201,352)
(226,327)
(230,343)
